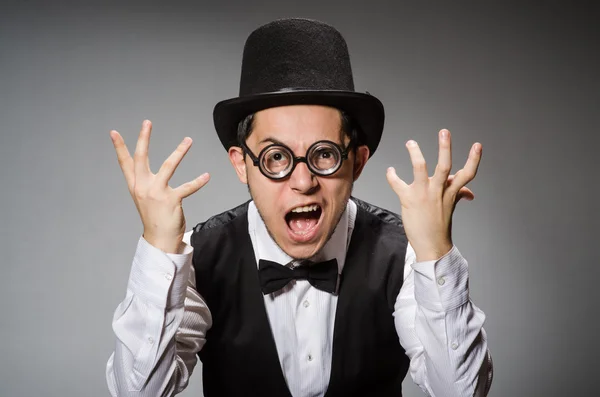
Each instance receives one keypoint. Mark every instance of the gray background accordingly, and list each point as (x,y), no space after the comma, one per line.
(522,78)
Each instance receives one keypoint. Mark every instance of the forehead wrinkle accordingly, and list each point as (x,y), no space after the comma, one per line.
(333,133)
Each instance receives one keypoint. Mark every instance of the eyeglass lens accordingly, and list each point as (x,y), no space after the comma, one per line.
(323,158)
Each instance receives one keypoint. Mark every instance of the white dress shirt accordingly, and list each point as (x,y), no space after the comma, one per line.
(162,322)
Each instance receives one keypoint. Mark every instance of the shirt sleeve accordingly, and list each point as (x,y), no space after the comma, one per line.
(160,326)
(440,328)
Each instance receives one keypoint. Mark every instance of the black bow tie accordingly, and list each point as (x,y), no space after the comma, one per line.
(273,276)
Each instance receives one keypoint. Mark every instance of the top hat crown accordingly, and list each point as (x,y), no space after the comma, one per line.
(293,62)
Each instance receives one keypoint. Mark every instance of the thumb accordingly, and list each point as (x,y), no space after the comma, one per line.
(465,193)
(191,187)
(397,184)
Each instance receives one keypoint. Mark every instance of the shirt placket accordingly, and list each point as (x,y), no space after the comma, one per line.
(308,332)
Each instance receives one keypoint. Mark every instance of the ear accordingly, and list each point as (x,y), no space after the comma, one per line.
(360,160)
(236,156)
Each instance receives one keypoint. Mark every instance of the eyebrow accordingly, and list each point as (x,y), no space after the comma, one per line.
(278,142)
(272,140)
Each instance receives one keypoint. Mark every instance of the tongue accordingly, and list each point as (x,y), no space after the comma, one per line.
(302,222)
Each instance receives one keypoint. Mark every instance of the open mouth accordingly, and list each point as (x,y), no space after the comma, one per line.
(303,221)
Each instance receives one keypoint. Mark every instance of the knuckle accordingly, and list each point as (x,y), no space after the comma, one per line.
(469,174)
(419,165)
(187,186)
(196,184)
(444,168)
(139,192)
(123,160)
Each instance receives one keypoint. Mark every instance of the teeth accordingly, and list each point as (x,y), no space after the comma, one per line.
(306,208)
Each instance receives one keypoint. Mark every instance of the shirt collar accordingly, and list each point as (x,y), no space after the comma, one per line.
(266,248)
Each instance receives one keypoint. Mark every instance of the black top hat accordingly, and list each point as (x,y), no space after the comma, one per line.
(292,62)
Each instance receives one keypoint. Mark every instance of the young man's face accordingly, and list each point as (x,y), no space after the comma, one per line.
(299,234)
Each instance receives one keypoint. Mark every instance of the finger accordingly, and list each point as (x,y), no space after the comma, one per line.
(450,179)
(418,162)
(172,162)
(397,184)
(140,157)
(191,187)
(444,165)
(469,171)
(465,193)
(124,158)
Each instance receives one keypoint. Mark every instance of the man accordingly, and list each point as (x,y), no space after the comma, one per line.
(302,291)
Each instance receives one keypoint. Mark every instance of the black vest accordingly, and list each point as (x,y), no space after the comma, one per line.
(240,357)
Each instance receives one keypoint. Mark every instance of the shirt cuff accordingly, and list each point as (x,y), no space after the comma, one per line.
(442,285)
(159,278)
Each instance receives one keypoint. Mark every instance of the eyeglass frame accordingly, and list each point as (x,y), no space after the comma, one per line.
(297,159)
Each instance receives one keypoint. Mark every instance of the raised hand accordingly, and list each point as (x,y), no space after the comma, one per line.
(429,202)
(159,205)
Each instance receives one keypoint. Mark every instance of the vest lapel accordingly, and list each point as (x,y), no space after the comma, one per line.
(349,281)
(263,335)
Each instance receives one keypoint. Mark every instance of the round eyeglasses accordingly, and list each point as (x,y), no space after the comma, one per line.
(277,161)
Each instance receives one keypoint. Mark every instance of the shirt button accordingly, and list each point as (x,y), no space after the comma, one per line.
(168,276)
(454,345)
(310,357)
(306,303)
(441,281)
(150,340)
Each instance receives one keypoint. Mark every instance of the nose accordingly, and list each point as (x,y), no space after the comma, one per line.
(302,180)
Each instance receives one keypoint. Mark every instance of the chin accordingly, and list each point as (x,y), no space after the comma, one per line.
(303,227)
(302,251)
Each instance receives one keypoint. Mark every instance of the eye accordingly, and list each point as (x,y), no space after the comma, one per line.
(325,154)
(276,156)
(276,160)
(324,157)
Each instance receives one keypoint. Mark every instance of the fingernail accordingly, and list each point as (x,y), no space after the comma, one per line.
(411,143)
(477,148)
(146,123)
(187,140)
(444,134)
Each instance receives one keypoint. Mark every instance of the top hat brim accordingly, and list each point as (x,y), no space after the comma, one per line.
(364,109)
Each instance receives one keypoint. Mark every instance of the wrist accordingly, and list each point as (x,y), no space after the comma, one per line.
(433,253)
(167,245)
